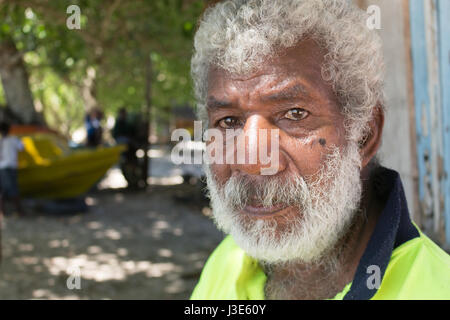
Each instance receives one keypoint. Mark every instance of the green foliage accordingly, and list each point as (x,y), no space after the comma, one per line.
(116,39)
(62,107)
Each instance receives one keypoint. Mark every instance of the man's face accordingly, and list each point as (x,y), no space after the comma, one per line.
(286,93)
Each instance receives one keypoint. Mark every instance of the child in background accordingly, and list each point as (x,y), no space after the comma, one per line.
(9,149)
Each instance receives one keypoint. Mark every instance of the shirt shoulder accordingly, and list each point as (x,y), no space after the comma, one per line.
(13,140)
(229,274)
(418,269)
(19,144)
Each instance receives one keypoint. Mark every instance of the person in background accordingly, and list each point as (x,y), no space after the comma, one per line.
(9,148)
(93,128)
(122,131)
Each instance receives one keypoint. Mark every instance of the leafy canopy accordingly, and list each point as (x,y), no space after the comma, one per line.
(116,38)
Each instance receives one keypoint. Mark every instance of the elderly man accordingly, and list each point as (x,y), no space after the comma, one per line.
(330,222)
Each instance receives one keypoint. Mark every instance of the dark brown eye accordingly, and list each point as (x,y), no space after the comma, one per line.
(296,114)
(228,123)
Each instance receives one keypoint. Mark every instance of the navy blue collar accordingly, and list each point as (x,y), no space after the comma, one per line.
(393,228)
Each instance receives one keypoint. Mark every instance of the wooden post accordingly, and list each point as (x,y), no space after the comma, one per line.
(1,233)
(417,214)
(443,12)
(147,117)
(2,203)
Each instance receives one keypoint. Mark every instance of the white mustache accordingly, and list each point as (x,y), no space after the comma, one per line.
(240,191)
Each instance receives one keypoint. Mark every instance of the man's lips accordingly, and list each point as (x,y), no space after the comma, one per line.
(259,210)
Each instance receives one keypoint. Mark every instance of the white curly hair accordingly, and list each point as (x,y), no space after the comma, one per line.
(237,35)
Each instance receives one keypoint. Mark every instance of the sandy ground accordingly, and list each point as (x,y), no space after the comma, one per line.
(129,245)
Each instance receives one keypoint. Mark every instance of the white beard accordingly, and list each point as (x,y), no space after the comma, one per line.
(324,213)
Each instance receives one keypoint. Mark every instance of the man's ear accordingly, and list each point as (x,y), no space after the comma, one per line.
(372,140)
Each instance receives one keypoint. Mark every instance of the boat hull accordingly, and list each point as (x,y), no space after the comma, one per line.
(68,176)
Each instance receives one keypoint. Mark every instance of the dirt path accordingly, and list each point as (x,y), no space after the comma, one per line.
(128,246)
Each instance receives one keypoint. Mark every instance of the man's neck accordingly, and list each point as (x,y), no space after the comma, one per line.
(325,279)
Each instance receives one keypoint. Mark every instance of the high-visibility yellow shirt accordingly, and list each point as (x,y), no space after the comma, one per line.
(411,265)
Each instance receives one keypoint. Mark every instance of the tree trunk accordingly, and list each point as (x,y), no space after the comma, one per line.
(16,86)
(89,90)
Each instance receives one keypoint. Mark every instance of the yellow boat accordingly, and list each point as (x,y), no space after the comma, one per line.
(49,169)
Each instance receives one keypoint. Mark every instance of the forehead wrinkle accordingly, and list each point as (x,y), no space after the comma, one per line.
(271,83)
(291,90)
(214,103)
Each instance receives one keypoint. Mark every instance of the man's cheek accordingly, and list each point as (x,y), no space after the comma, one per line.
(221,173)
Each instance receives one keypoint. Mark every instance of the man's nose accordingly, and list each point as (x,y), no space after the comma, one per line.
(256,150)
